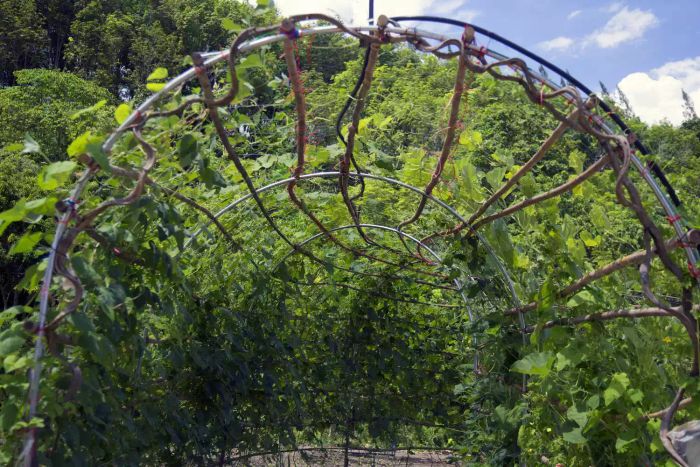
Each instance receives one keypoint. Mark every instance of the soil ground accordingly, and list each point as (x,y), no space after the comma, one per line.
(335,457)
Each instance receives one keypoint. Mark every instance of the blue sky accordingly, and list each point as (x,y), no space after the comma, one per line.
(650,49)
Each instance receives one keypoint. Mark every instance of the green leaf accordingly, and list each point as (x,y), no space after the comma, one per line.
(593,402)
(521,260)
(155,87)
(10,313)
(26,243)
(158,73)
(54,175)
(90,109)
(470,139)
(187,150)
(579,417)
(152,82)
(32,277)
(588,239)
(13,147)
(582,298)
(576,159)
(383,123)
(569,356)
(364,123)
(79,144)
(229,25)
(30,145)
(34,422)
(251,61)
(538,363)
(317,155)
(15,362)
(546,296)
(97,153)
(23,209)
(211,177)
(81,322)
(8,416)
(11,344)
(574,436)
(41,206)
(598,217)
(618,385)
(635,395)
(495,177)
(122,112)
(624,440)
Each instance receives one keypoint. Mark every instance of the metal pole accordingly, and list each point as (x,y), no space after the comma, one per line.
(371,11)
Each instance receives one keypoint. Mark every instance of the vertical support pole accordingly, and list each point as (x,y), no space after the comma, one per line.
(371,12)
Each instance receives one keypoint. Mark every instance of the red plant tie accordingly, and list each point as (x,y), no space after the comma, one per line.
(673,219)
(694,271)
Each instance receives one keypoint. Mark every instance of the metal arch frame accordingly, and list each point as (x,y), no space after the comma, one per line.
(386,228)
(392,181)
(213,58)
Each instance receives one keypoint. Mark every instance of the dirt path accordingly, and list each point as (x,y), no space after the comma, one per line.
(335,457)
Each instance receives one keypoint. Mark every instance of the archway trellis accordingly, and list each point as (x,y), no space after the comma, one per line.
(573,105)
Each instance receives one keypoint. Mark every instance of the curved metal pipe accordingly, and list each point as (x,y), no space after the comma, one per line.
(437,257)
(450,209)
(692,254)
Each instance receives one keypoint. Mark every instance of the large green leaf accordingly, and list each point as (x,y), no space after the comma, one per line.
(54,175)
(538,363)
(617,388)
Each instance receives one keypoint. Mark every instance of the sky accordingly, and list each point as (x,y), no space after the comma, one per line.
(649,49)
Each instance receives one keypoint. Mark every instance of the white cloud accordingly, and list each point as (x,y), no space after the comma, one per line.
(558,44)
(614,7)
(347,11)
(356,11)
(574,14)
(687,71)
(625,26)
(656,95)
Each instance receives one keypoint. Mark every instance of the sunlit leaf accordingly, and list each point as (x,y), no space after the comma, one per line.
(122,112)
(90,109)
(538,363)
(54,175)
(26,243)
(229,25)
(157,74)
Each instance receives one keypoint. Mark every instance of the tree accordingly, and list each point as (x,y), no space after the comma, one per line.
(604,90)
(22,40)
(118,43)
(688,107)
(43,104)
(624,102)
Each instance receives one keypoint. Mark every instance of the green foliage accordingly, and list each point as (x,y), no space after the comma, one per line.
(118,44)
(23,40)
(53,107)
(189,350)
